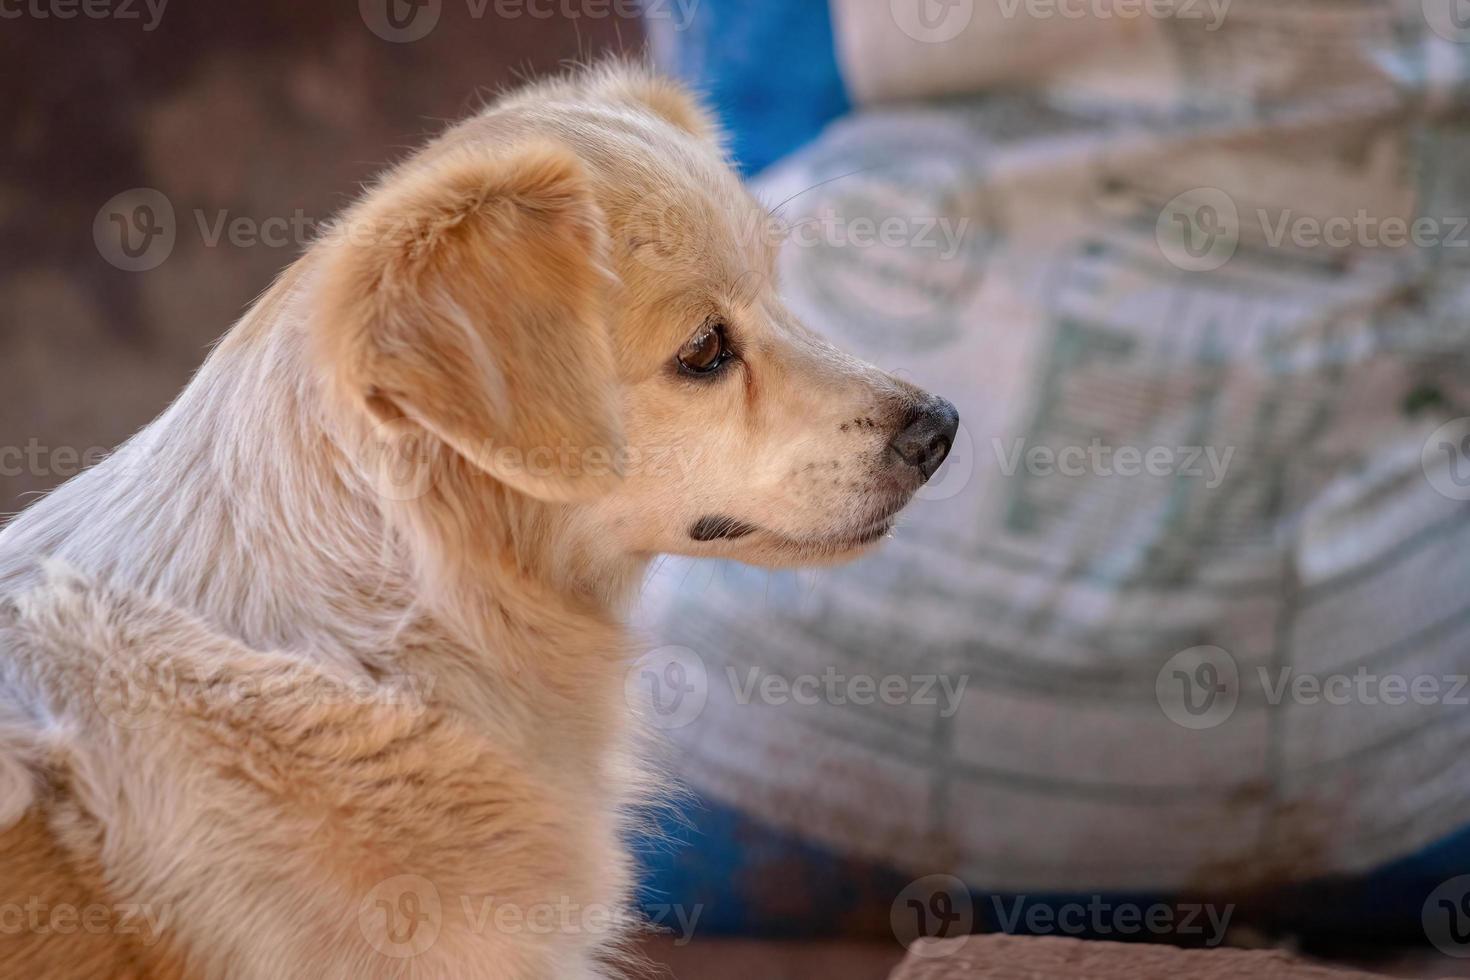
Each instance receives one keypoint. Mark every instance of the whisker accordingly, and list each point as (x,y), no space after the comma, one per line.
(777,209)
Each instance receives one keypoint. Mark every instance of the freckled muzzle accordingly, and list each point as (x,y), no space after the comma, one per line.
(925,436)
(923,443)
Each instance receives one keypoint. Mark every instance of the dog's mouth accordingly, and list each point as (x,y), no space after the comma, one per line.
(720,527)
(717,527)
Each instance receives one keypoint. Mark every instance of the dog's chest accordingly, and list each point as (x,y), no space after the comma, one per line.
(572,734)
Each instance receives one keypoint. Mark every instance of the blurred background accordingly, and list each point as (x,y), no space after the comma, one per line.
(1174,648)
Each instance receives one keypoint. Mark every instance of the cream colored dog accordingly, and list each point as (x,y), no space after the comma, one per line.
(327,661)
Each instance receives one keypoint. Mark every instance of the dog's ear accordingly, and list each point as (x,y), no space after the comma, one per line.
(469,295)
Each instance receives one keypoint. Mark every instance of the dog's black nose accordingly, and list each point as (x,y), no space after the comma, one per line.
(925,441)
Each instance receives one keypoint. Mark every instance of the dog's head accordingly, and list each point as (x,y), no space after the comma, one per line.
(575,294)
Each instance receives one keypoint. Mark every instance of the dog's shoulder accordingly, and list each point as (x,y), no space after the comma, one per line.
(226,777)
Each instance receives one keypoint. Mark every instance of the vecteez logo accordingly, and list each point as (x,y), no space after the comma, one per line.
(401,916)
(1446,917)
(405,21)
(932,21)
(669,687)
(1199,230)
(1198,688)
(937,906)
(401,21)
(148,13)
(1445,459)
(135,230)
(1450,19)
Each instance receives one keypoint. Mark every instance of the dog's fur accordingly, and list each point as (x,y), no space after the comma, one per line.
(260,686)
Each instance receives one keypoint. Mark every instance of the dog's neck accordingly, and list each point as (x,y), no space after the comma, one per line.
(243,504)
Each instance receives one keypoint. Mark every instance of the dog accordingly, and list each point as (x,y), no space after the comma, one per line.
(322,673)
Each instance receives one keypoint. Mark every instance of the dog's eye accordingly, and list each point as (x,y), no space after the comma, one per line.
(707,352)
